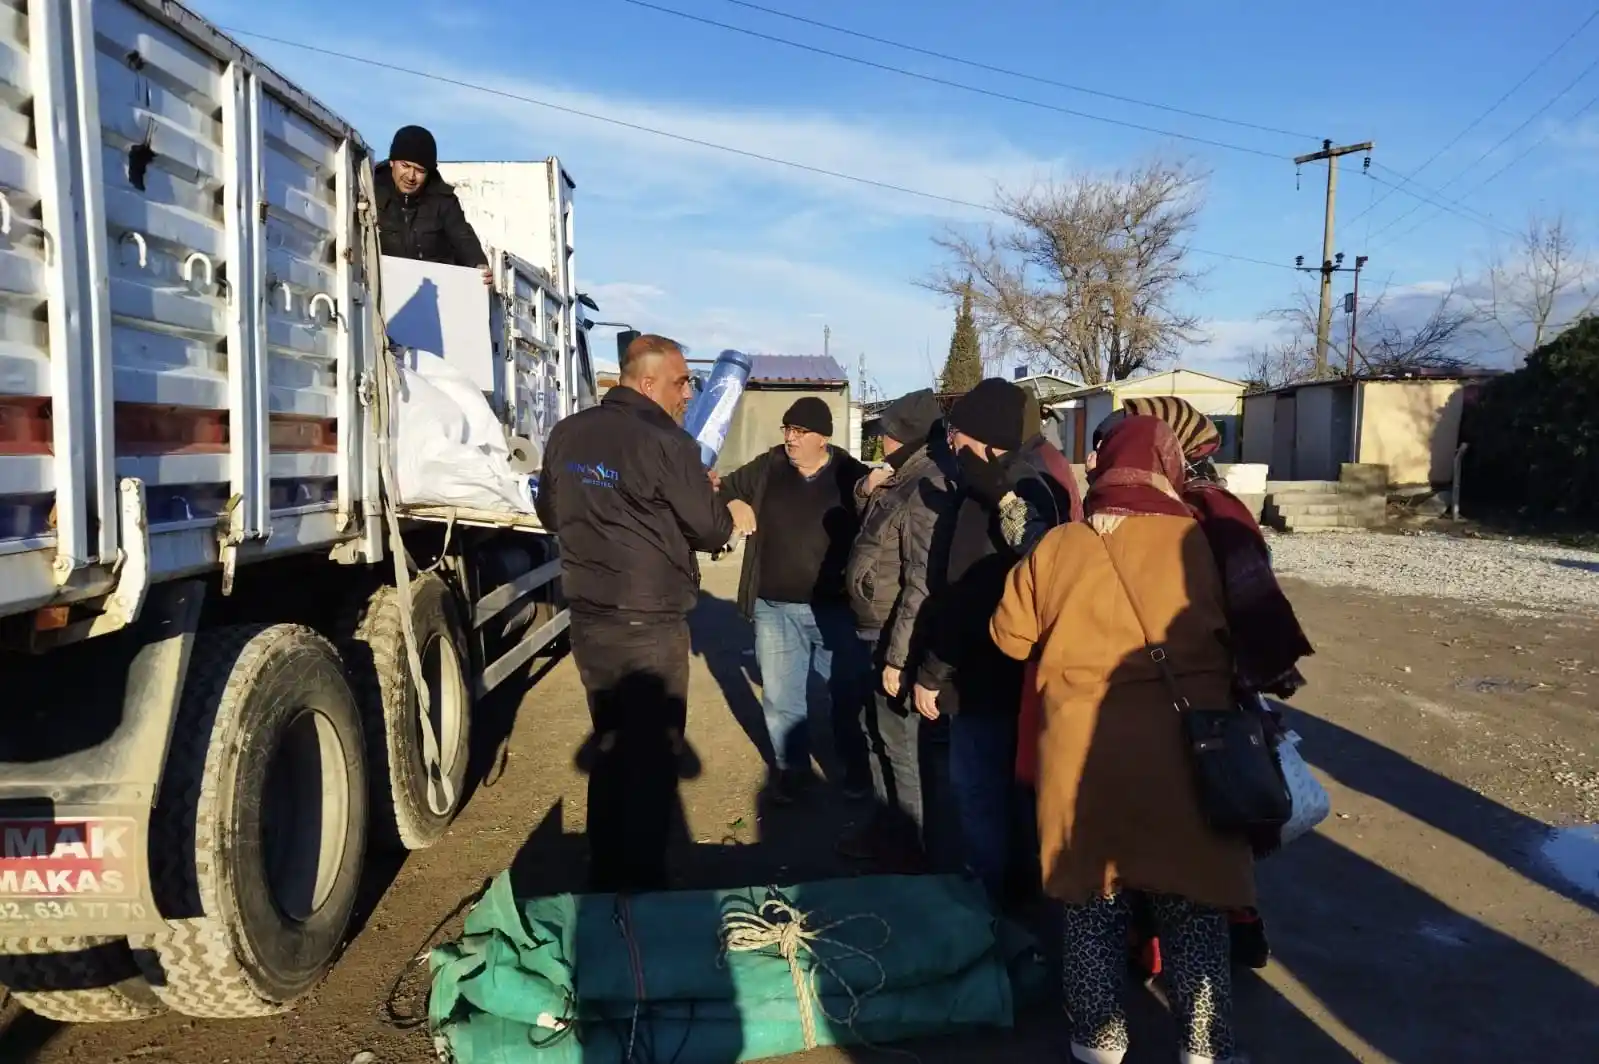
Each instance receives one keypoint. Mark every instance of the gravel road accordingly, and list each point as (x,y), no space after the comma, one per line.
(1502,575)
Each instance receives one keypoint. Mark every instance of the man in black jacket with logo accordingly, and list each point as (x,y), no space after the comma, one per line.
(797,501)
(625,494)
(419,216)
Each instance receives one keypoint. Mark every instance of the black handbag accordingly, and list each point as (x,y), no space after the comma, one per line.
(1241,785)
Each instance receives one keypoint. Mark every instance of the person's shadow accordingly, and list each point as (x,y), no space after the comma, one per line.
(1495,830)
(721,635)
(417,324)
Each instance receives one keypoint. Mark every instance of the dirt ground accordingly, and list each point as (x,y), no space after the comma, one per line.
(1437,916)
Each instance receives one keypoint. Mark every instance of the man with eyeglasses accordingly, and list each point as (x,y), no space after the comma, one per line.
(419,215)
(796,505)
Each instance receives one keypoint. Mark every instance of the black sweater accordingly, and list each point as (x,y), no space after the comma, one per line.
(752,483)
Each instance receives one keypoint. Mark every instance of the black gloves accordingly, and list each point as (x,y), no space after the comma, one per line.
(988,480)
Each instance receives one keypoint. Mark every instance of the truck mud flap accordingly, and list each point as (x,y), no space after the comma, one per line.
(74,830)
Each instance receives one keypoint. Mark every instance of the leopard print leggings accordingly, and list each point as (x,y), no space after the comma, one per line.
(1196,971)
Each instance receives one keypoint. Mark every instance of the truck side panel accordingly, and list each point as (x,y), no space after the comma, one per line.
(181,300)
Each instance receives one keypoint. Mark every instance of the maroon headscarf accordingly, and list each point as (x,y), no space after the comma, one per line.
(1267,639)
(1141,469)
(1138,471)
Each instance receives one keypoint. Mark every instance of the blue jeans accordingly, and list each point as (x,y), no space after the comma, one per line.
(793,642)
(982,772)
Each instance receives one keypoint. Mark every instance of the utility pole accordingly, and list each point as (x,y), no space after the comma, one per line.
(1327,269)
(1324,317)
(1354,312)
(827,340)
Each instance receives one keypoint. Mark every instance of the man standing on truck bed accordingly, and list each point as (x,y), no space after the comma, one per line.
(419,216)
(625,494)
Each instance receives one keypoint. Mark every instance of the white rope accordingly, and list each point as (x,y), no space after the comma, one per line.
(780,927)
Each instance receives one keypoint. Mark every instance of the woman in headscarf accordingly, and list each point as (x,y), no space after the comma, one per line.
(1267,640)
(1118,810)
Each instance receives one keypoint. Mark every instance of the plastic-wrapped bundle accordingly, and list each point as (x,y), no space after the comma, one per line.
(711,412)
(714,977)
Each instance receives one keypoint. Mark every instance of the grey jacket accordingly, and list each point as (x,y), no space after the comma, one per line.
(887,574)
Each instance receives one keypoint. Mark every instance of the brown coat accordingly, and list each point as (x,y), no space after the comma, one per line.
(1116,798)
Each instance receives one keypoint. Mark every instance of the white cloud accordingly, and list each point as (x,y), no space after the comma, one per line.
(762,302)
(1228,343)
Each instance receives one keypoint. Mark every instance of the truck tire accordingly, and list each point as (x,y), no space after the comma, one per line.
(259,833)
(76,980)
(374,653)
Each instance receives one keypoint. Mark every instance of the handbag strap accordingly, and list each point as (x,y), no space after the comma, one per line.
(1157,652)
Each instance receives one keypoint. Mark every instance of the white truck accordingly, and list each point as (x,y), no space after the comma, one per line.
(221,682)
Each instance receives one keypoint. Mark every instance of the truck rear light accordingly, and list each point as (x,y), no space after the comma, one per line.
(51,618)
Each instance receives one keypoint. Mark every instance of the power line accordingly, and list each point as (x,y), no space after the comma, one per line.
(1039,79)
(951,84)
(679,137)
(1534,146)
(1454,207)
(1556,98)
(1475,122)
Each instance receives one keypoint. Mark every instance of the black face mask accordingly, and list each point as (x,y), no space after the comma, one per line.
(985,479)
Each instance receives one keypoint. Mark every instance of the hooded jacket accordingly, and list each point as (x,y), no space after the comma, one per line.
(429,225)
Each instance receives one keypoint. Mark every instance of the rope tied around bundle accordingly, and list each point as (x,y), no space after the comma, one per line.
(777,926)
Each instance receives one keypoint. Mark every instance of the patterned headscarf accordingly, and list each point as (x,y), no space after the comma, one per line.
(1196,434)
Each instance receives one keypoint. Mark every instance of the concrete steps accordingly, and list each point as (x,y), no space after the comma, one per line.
(1317,487)
(1318,505)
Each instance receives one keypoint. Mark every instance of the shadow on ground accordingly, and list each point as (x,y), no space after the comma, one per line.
(23,1035)
(1503,834)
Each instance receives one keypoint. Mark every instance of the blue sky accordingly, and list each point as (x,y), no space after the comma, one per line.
(723,251)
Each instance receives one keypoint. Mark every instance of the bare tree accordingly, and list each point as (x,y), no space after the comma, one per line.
(1388,340)
(1278,363)
(1431,345)
(1085,276)
(998,353)
(1544,285)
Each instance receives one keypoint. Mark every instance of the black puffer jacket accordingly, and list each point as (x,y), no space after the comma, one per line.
(887,575)
(429,225)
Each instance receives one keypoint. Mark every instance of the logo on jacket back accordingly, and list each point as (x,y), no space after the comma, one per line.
(598,475)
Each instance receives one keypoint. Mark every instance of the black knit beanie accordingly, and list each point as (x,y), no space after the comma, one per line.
(413,144)
(995,413)
(911,417)
(812,413)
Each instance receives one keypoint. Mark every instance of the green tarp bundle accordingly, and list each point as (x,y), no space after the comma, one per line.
(656,979)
